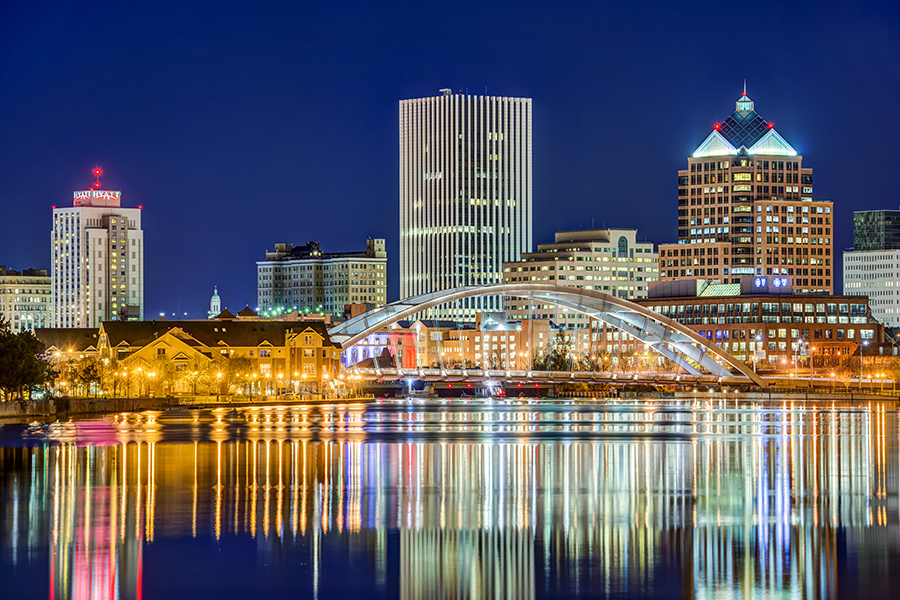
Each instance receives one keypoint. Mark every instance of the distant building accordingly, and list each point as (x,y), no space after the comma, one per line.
(606,260)
(25,298)
(305,279)
(876,230)
(97,269)
(746,207)
(465,195)
(215,303)
(872,268)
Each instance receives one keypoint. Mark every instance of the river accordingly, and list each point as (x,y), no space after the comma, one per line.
(461,499)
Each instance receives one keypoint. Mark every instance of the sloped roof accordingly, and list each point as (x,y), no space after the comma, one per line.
(744,128)
(247,312)
(225,314)
(210,333)
(744,131)
(78,339)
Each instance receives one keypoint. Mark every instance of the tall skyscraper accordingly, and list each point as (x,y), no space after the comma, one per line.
(97,268)
(746,207)
(872,268)
(465,195)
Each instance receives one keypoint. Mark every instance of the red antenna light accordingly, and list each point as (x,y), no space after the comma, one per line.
(140,206)
(717,126)
(97,173)
(771,125)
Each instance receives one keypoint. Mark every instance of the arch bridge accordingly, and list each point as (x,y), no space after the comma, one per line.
(692,352)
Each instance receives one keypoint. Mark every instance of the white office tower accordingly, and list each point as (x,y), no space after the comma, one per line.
(97,267)
(465,195)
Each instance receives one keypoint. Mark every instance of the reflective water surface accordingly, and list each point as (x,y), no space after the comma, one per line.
(506,500)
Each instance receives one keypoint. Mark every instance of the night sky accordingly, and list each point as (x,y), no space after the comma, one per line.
(239,125)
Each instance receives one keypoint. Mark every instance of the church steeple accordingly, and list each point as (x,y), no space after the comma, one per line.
(215,303)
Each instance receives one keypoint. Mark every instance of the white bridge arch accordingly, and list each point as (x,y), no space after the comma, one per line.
(669,338)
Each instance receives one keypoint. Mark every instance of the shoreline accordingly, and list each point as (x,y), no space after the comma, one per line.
(55,408)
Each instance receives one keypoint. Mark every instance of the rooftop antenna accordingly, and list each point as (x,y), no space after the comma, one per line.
(745,86)
(97,173)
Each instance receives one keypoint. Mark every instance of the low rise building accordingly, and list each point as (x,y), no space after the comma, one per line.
(25,298)
(305,279)
(243,356)
(761,319)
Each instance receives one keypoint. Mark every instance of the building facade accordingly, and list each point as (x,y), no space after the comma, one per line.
(97,267)
(465,195)
(872,267)
(761,319)
(876,230)
(305,279)
(25,298)
(606,260)
(746,207)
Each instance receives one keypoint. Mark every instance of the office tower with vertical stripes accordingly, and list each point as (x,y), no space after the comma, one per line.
(465,195)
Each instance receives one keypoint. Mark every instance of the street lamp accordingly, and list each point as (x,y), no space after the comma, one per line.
(861,348)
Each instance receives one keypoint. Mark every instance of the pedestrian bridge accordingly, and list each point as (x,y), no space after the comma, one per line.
(690,351)
(500,377)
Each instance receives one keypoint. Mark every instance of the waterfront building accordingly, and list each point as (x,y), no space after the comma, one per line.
(607,260)
(746,208)
(305,279)
(465,195)
(215,304)
(762,319)
(242,355)
(97,268)
(872,267)
(25,298)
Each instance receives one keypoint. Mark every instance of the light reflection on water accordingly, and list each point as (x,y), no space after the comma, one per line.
(514,500)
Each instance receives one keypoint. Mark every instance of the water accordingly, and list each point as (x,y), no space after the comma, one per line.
(506,500)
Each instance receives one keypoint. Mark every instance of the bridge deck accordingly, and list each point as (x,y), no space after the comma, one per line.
(510,376)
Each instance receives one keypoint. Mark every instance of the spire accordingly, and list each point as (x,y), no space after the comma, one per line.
(745,86)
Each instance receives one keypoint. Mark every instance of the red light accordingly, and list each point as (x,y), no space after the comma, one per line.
(54,206)
(717,126)
(97,185)
(140,206)
(468,385)
(771,125)
(96,171)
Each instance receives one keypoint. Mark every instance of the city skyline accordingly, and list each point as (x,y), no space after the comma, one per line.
(281,132)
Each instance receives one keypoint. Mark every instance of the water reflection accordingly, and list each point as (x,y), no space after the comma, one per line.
(513,501)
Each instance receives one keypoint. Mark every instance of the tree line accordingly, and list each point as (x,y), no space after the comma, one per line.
(22,370)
